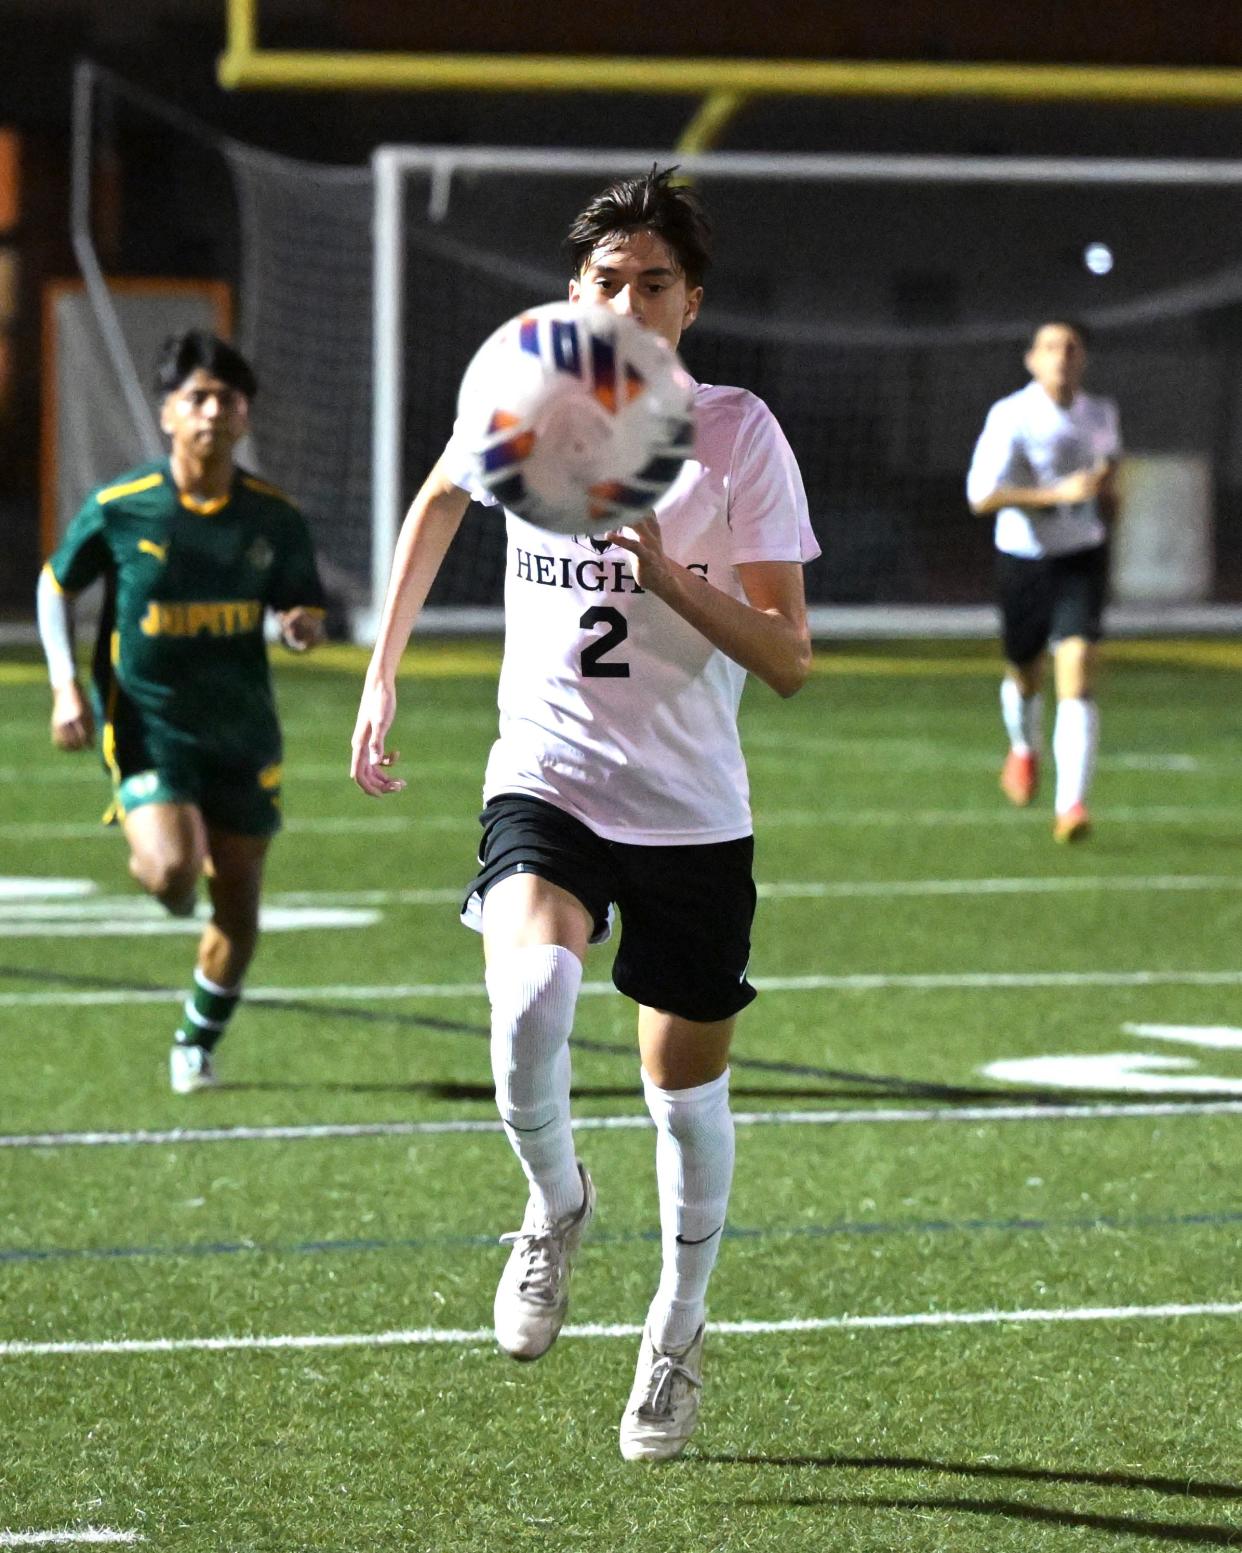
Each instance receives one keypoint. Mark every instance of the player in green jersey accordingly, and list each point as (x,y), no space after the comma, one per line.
(193,551)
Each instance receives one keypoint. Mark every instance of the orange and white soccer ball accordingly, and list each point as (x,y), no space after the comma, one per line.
(576,418)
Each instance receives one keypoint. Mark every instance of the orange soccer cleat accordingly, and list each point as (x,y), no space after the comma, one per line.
(1073,825)
(1019,778)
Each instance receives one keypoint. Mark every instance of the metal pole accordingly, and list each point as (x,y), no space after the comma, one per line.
(388,271)
(88,262)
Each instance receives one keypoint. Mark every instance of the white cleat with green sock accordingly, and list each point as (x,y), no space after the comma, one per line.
(189,1069)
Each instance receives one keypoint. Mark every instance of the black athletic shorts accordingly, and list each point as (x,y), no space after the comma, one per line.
(686,911)
(1046,600)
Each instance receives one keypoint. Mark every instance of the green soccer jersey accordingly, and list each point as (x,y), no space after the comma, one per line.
(181,648)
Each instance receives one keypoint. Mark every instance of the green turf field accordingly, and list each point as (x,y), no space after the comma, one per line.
(982,1287)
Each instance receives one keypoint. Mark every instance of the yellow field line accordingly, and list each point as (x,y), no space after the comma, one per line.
(478,660)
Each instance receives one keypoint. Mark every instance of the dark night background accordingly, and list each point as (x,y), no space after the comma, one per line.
(170,47)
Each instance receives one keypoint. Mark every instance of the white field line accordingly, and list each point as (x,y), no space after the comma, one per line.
(484,1336)
(20,887)
(947,981)
(880,1116)
(342,825)
(387,824)
(66,1538)
(1133,814)
(25,901)
(1221,1037)
(835,889)
(150,922)
(894,752)
(106,916)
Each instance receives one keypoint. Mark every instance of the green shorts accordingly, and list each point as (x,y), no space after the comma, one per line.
(246,803)
(151,763)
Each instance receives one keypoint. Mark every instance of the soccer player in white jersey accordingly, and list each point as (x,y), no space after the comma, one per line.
(1045,465)
(617,778)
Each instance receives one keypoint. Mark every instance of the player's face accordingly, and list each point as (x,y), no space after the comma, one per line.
(205,417)
(637,273)
(1057,360)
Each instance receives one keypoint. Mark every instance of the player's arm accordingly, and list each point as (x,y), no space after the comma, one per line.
(433,519)
(999,462)
(1082,485)
(767,633)
(73,727)
(295,590)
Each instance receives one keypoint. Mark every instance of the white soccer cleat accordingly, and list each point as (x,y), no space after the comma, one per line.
(532,1296)
(663,1408)
(189,1068)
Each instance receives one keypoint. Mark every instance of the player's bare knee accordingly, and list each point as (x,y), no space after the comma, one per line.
(168,876)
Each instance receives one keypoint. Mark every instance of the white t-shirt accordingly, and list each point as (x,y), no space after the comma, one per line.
(1030,440)
(612,707)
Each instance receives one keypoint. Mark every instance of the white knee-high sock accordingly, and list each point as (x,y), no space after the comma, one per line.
(533,992)
(694,1171)
(1023,717)
(1075,736)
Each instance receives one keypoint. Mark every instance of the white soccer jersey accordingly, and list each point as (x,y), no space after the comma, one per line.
(611,706)
(1030,440)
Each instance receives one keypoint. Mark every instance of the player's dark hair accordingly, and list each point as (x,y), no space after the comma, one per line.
(1076,324)
(654,202)
(183,354)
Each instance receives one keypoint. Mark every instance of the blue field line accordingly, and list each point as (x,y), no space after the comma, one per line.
(843,1227)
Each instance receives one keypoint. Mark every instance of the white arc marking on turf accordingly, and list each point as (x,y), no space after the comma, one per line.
(1136,1072)
(861,982)
(1221,1037)
(423,1336)
(879,1116)
(36,1539)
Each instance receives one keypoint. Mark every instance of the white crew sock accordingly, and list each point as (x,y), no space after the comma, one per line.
(694,1171)
(1023,717)
(533,992)
(1075,736)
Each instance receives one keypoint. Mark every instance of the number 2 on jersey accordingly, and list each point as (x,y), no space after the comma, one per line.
(593,654)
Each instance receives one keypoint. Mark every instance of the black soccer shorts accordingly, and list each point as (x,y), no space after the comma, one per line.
(1048,599)
(686,911)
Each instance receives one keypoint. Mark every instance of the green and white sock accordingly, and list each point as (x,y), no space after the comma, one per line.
(207,1012)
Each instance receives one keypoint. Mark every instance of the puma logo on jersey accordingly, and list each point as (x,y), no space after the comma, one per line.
(160,552)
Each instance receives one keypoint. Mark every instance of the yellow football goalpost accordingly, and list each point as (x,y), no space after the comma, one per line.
(723,84)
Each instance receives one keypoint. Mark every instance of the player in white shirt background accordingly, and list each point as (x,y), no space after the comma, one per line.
(1045,465)
(617,778)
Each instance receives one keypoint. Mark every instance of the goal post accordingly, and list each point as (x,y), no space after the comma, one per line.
(882,374)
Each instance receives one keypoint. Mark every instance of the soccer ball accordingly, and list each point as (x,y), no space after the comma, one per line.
(575,418)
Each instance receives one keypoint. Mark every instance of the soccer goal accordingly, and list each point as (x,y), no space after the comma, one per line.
(879,304)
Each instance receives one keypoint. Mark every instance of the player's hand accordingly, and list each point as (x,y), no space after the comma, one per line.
(1084,484)
(371,763)
(652,568)
(73,725)
(300,628)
